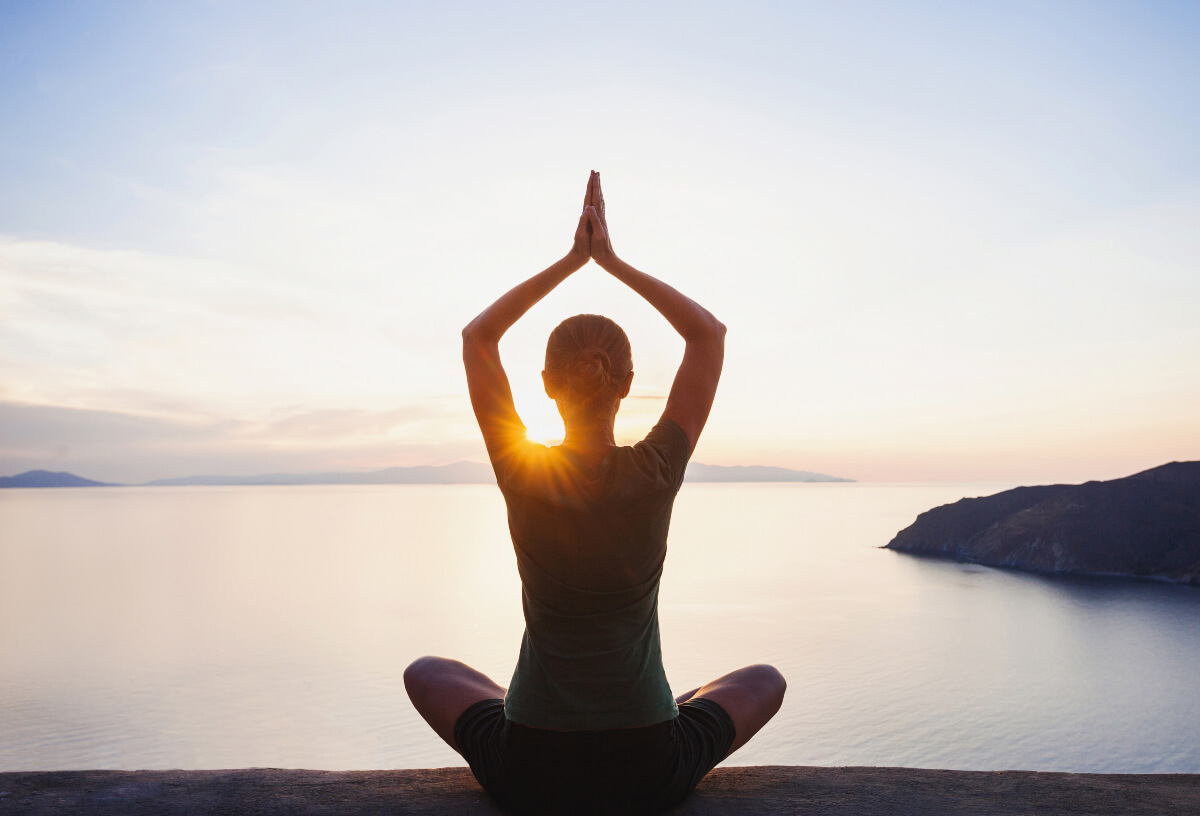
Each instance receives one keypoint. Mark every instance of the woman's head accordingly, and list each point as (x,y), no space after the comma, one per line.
(588,364)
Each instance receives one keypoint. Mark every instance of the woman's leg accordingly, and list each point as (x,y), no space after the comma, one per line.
(750,697)
(442,689)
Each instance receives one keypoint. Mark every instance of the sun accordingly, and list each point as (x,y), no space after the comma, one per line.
(544,428)
(538,412)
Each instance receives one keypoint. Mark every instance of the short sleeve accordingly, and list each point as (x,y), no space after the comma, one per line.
(666,450)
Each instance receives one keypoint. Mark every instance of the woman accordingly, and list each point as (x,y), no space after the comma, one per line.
(588,723)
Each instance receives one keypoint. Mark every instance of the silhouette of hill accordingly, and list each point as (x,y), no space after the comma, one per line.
(47,478)
(457,473)
(700,472)
(1142,526)
(476,473)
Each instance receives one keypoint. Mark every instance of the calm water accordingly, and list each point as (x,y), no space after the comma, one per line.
(261,626)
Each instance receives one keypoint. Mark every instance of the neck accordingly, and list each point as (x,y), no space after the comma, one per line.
(589,434)
(589,437)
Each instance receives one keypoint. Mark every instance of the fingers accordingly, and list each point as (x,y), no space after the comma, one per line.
(598,198)
(587,195)
(590,196)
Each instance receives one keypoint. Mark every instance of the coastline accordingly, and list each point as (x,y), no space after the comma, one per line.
(1192,581)
(749,790)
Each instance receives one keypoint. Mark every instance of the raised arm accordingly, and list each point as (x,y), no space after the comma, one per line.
(695,385)
(487,383)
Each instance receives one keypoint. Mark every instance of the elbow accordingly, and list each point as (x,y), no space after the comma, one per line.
(470,330)
(477,338)
(709,332)
(473,333)
(716,329)
(483,329)
(470,339)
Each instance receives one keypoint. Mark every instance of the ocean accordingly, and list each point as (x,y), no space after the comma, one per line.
(229,627)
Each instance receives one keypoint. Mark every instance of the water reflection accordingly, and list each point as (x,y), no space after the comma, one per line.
(236,627)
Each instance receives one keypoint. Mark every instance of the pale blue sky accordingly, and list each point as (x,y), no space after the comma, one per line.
(951,241)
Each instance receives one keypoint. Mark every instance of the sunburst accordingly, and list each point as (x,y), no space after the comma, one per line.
(540,415)
(544,428)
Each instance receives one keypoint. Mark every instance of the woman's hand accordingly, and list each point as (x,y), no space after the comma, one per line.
(581,250)
(602,251)
(601,245)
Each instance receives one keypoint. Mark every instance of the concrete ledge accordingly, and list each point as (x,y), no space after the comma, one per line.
(743,791)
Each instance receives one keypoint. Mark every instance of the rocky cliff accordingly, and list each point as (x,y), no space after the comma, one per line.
(1143,526)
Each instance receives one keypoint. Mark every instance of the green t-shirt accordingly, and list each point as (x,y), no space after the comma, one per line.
(590,547)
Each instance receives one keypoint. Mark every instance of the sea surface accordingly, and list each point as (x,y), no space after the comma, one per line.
(231,627)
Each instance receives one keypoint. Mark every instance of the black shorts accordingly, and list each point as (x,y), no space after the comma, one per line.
(625,770)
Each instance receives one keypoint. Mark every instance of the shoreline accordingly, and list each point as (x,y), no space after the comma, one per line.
(1188,581)
(767,790)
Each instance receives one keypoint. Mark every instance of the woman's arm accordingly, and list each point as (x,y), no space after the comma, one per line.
(491,395)
(695,384)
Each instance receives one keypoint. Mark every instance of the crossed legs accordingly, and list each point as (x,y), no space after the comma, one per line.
(442,689)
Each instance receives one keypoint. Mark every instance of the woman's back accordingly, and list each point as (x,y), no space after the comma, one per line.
(590,546)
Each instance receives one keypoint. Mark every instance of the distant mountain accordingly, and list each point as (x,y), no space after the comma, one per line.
(699,472)
(46,478)
(1143,526)
(457,473)
(475,473)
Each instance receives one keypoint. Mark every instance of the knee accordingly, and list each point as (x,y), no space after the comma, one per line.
(771,681)
(419,673)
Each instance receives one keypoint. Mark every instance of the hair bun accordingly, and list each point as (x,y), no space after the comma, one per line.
(591,372)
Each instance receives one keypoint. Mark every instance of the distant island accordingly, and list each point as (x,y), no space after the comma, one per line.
(700,472)
(457,473)
(47,478)
(1142,526)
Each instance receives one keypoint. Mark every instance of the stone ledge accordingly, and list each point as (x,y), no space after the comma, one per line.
(745,791)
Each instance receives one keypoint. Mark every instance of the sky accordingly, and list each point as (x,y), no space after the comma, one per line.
(951,241)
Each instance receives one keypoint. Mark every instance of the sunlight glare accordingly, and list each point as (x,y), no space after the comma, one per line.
(539,414)
(544,428)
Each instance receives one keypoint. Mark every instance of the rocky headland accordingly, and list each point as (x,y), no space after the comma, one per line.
(1142,526)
